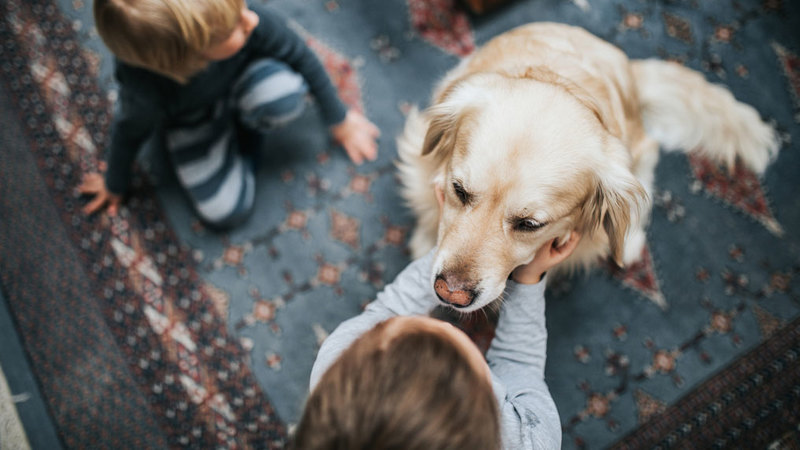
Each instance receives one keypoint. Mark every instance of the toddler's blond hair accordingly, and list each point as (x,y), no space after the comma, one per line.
(165,36)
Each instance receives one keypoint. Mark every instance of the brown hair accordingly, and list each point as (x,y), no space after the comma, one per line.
(414,389)
(165,36)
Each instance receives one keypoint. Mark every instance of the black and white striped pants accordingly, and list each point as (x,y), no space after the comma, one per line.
(205,145)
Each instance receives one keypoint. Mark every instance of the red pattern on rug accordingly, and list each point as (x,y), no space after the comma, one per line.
(341,71)
(443,24)
(641,277)
(740,189)
(791,68)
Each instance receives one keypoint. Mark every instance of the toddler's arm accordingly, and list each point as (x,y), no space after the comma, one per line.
(349,128)
(133,121)
(518,352)
(409,294)
(274,39)
(136,115)
(520,340)
(517,358)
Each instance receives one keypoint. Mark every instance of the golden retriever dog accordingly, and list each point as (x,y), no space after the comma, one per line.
(548,129)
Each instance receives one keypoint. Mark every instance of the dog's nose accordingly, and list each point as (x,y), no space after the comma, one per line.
(456,296)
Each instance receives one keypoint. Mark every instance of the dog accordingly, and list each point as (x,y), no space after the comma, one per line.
(546,130)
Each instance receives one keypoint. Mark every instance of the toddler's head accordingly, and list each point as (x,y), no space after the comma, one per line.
(169,37)
(409,383)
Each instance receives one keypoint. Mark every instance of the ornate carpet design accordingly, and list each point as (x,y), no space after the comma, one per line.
(129,348)
(748,405)
(149,331)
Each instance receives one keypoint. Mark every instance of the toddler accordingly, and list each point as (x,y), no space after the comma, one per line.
(393,378)
(208,76)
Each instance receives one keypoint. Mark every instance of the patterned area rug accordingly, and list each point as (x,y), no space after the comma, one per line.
(149,331)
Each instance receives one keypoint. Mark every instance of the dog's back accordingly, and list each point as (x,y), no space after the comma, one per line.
(639,103)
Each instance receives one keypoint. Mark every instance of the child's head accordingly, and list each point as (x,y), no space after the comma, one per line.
(166,36)
(410,383)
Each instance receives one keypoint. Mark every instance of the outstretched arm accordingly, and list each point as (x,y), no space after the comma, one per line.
(274,38)
(136,114)
(518,352)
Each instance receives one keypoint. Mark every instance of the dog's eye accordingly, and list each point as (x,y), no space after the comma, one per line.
(461,193)
(527,225)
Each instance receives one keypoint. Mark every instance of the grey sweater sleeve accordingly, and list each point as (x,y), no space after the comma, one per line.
(529,417)
(411,293)
(517,357)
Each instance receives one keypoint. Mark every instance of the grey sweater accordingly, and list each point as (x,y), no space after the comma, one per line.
(516,357)
(148,100)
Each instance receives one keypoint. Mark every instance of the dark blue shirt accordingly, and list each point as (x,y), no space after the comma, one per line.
(148,100)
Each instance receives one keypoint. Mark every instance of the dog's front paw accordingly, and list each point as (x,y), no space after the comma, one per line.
(634,245)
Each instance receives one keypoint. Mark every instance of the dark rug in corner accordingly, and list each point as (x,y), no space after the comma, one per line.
(149,331)
(128,349)
(753,403)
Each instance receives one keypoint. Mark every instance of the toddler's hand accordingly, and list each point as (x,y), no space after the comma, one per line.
(357,135)
(550,254)
(94,184)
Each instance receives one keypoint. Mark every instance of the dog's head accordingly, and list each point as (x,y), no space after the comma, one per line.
(522,162)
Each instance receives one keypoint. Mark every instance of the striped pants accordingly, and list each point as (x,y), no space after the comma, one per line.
(208,147)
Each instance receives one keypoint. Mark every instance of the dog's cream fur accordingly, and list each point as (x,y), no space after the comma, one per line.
(542,132)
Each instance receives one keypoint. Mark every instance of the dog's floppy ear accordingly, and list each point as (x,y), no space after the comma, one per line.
(617,203)
(442,128)
(445,117)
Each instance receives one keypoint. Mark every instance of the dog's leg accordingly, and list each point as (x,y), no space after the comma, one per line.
(645,158)
(634,244)
(416,176)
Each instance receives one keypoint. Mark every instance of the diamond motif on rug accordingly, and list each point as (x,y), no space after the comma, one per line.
(790,64)
(767,323)
(741,190)
(641,277)
(647,406)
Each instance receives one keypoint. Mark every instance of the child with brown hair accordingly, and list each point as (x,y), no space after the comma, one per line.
(393,378)
(208,76)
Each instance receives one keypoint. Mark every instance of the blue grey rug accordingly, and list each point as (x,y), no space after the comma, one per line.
(216,333)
